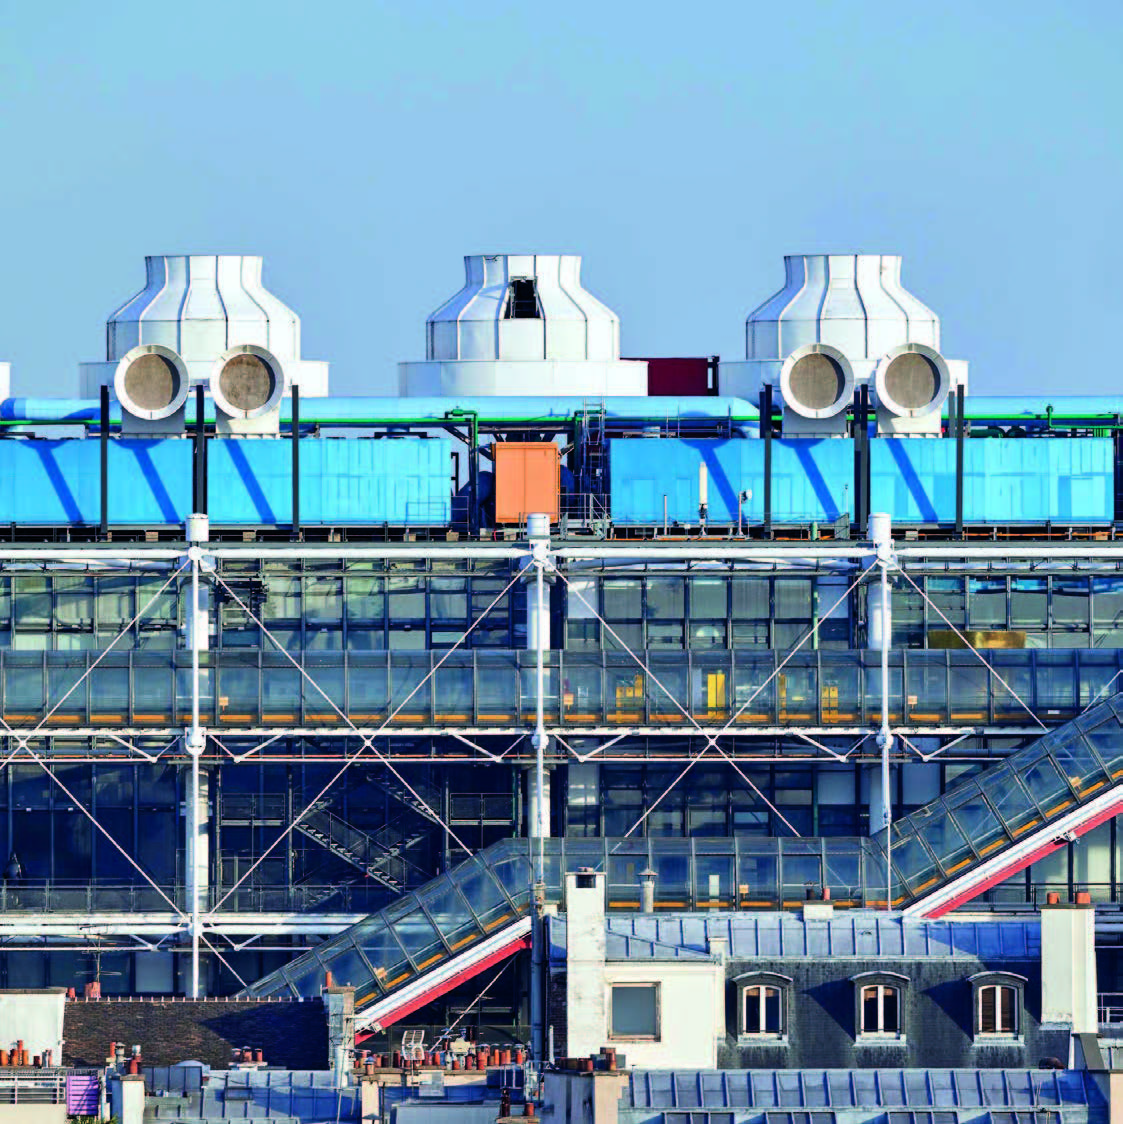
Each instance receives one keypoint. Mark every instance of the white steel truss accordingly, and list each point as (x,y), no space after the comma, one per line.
(731,743)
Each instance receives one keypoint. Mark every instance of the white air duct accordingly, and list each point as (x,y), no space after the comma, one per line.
(247,384)
(200,306)
(151,383)
(816,386)
(911,384)
(522,324)
(852,304)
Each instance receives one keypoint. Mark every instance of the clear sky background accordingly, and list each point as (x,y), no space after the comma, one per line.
(363,148)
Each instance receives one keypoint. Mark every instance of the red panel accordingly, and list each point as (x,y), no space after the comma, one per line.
(446,985)
(679,378)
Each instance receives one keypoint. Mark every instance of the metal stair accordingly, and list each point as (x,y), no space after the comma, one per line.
(424,944)
(380,856)
(428,807)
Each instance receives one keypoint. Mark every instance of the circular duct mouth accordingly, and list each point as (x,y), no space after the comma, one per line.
(816,381)
(151,382)
(912,380)
(247,381)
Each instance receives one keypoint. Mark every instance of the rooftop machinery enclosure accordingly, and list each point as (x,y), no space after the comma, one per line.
(843,321)
(523,324)
(343,481)
(199,308)
(527,480)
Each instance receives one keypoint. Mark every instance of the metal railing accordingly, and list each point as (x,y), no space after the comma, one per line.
(45,896)
(32,1086)
(1110,1007)
(497,688)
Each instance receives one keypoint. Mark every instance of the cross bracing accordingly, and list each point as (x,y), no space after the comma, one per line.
(459,706)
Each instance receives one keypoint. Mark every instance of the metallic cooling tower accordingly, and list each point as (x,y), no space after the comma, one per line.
(200,308)
(838,321)
(522,324)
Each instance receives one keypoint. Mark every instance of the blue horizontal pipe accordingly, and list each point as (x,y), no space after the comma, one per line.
(1029,407)
(438,410)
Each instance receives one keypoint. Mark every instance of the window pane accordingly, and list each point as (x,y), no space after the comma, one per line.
(407,598)
(869,1009)
(772,1022)
(635,1011)
(752,1010)
(987,1021)
(665,599)
(1029,603)
(1070,601)
(365,600)
(946,595)
(707,597)
(750,599)
(793,598)
(621,598)
(891,1017)
(1006,1010)
(987,602)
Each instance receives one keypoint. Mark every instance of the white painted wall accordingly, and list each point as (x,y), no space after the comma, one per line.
(691,1014)
(691,992)
(1068,966)
(34,1016)
(543,377)
(585,996)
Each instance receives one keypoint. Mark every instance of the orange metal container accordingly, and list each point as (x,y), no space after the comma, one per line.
(527,480)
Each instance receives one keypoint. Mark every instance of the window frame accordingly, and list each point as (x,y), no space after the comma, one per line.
(750,982)
(653,985)
(982,982)
(883,981)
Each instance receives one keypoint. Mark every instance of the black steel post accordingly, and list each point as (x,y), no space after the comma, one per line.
(200,490)
(105,462)
(766,421)
(864,465)
(960,429)
(858,431)
(295,461)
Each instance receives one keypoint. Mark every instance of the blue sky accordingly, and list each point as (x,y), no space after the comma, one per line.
(363,148)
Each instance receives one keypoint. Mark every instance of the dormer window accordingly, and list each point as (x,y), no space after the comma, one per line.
(879,999)
(522,300)
(997,1002)
(763,1004)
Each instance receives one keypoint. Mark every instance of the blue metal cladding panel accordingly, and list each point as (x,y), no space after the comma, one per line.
(343,481)
(1005,480)
(59,482)
(358,480)
(812,480)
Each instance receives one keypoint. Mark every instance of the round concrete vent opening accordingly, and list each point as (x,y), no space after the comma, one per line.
(816,381)
(247,382)
(151,382)
(912,380)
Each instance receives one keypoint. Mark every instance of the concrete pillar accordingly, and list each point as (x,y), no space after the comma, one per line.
(370,1100)
(585,992)
(1068,965)
(128,1104)
(339,1010)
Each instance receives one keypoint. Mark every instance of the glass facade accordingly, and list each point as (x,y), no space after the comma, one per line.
(375,637)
